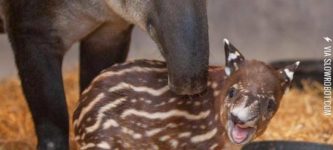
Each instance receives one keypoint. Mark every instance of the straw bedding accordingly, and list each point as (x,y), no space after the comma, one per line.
(300,116)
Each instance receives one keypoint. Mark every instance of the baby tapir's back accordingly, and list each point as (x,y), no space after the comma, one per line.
(130,106)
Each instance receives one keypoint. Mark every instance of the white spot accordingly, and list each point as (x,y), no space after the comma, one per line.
(235,65)
(227,71)
(327,39)
(103,145)
(214,85)
(50,145)
(233,56)
(172,100)
(216,93)
(131,132)
(204,137)
(197,103)
(242,112)
(77,138)
(226,41)
(164,138)
(165,115)
(101,112)
(297,63)
(137,136)
(184,135)
(179,103)
(174,143)
(189,102)
(110,123)
(161,104)
(89,119)
(210,123)
(155,147)
(126,145)
(83,136)
(289,74)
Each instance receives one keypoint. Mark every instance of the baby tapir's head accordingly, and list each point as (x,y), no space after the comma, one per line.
(251,95)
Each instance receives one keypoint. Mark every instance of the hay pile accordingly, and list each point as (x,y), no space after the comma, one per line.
(300,116)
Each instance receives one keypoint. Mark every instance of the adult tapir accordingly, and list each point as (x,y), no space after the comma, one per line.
(41,31)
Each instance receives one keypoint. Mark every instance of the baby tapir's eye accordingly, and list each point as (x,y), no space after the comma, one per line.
(271,105)
(232,92)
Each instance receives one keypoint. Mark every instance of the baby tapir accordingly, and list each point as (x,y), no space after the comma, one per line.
(129,106)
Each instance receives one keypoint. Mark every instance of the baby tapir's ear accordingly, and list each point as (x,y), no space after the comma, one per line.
(288,73)
(233,58)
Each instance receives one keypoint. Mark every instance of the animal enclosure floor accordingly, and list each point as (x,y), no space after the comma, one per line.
(300,116)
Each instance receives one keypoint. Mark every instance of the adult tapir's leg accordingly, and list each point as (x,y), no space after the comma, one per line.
(38,54)
(106,46)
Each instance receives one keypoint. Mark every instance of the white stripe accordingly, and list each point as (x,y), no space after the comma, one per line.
(213,146)
(155,92)
(89,145)
(87,108)
(204,137)
(154,131)
(119,86)
(101,112)
(103,145)
(132,69)
(157,130)
(165,115)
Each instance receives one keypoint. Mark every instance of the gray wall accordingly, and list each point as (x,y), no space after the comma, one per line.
(262,29)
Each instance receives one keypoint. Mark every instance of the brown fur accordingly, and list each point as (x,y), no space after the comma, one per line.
(214,99)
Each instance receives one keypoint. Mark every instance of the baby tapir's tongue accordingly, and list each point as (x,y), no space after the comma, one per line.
(240,134)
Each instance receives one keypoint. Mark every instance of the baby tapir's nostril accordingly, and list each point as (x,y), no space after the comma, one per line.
(236,120)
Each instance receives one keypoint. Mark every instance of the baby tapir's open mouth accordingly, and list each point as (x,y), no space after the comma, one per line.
(241,134)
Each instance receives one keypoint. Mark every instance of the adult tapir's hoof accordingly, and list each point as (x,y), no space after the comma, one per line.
(187,87)
(191,83)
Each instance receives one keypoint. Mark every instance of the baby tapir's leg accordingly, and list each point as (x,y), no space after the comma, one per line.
(104,47)
(39,51)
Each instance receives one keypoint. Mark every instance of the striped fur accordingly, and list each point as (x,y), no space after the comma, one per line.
(130,107)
